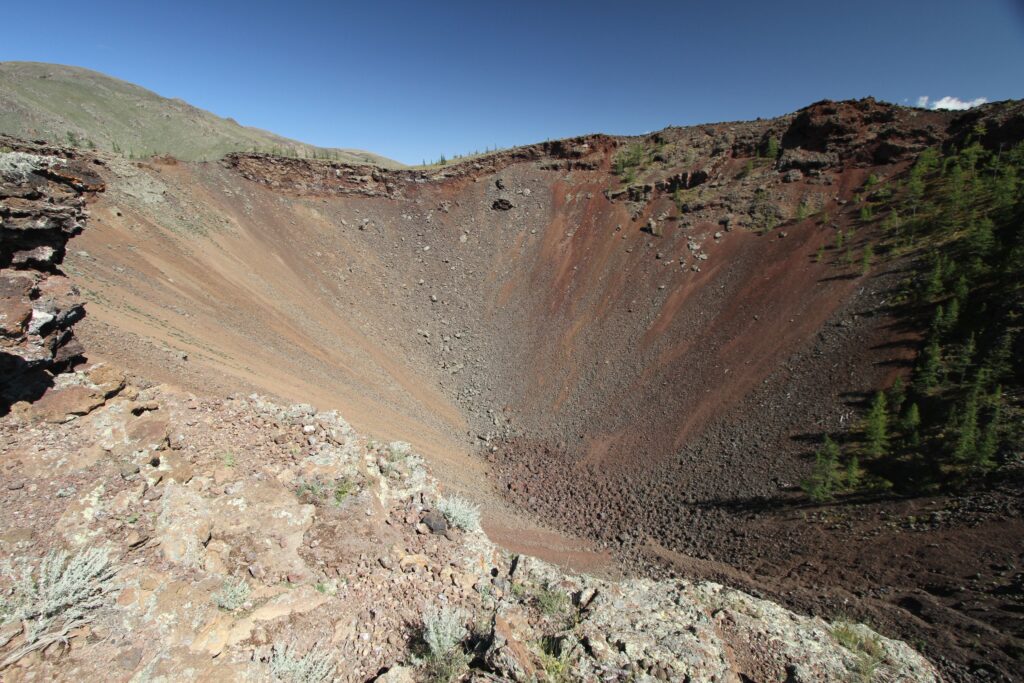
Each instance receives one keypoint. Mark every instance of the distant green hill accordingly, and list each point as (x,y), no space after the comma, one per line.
(82,107)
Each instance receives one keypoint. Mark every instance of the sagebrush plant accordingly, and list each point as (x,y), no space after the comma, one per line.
(57,595)
(399,449)
(443,630)
(232,595)
(460,513)
(316,666)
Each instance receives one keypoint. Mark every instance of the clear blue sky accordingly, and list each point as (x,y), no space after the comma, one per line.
(413,80)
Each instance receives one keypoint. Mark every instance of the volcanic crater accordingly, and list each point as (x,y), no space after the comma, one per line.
(639,356)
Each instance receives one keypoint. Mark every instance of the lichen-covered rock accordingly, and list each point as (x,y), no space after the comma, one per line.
(43,193)
(321,527)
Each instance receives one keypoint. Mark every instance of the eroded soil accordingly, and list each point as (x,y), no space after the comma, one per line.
(644,364)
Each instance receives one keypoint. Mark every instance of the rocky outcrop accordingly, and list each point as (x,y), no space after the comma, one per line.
(861,131)
(240,526)
(320,177)
(43,195)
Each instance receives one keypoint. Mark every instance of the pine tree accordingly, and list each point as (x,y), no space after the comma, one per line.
(820,486)
(966,449)
(911,423)
(961,290)
(930,366)
(897,395)
(936,285)
(938,320)
(989,444)
(854,473)
(865,262)
(982,238)
(952,314)
(876,429)
(965,356)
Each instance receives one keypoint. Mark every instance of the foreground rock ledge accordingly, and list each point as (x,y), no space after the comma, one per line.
(325,529)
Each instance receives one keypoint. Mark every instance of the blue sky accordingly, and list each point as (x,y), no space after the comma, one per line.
(413,80)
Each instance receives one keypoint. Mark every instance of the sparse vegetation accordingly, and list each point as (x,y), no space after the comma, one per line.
(552,601)
(56,596)
(957,219)
(824,479)
(232,595)
(316,666)
(444,629)
(83,108)
(868,651)
(460,513)
(318,491)
(629,161)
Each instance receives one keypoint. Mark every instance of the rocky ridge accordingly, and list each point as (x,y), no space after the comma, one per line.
(43,196)
(227,535)
(338,542)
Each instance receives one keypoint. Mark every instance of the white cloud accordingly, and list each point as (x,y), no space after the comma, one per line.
(956,103)
(922,101)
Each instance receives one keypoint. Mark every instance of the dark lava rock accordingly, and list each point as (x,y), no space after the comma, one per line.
(435,521)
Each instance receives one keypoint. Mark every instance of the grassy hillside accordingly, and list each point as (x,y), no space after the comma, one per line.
(73,105)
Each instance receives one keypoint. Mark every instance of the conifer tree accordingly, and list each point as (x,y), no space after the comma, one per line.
(820,486)
(897,395)
(930,366)
(911,423)
(854,473)
(967,432)
(876,429)
(989,444)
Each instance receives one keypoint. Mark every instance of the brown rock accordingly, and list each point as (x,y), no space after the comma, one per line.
(507,656)
(61,405)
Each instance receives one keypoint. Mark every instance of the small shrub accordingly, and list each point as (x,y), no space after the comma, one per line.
(57,596)
(316,666)
(460,513)
(630,158)
(312,490)
(443,631)
(232,595)
(551,601)
(868,650)
(398,450)
(317,491)
(556,669)
(342,489)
